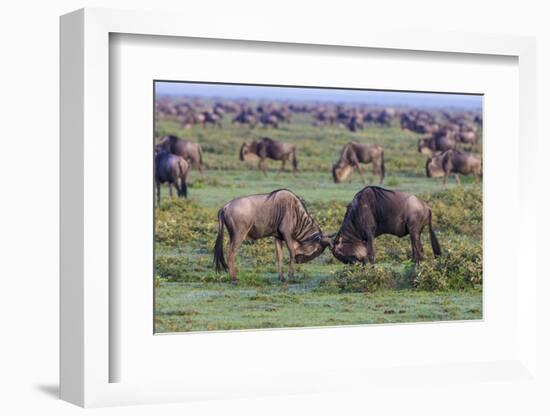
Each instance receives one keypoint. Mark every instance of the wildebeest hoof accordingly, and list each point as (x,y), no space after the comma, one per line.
(234,282)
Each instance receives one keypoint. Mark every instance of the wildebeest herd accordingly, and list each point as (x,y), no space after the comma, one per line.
(283,215)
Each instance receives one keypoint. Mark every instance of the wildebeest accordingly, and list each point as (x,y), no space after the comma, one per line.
(212,118)
(354,153)
(268,148)
(437,143)
(468,136)
(190,151)
(375,211)
(279,214)
(355,122)
(267,119)
(172,169)
(453,161)
(245,118)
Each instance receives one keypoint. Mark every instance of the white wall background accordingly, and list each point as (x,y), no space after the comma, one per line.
(29,188)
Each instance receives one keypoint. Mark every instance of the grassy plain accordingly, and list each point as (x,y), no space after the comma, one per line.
(189,296)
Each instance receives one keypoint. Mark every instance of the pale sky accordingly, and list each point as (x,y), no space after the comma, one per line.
(386,98)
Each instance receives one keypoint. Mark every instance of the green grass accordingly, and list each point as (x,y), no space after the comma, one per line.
(190,296)
(218,306)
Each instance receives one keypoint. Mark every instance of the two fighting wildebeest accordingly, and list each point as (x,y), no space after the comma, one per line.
(283,216)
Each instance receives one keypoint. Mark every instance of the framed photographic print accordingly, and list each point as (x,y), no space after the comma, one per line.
(283,213)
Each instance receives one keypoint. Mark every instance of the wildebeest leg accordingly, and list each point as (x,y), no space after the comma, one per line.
(416,245)
(279,254)
(370,249)
(170,187)
(158,193)
(234,244)
(282,168)
(291,252)
(414,254)
(375,169)
(360,172)
(445,178)
(261,166)
(457,179)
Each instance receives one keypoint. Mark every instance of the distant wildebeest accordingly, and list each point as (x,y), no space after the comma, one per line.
(190,151)
(172,169)
(267,119)
(245,118)
(375,211)
(453,161)
(468,136)
(478,120)
(352,154)
(435,144)
(268,148)
(213,118)
(354,123)
(279,214)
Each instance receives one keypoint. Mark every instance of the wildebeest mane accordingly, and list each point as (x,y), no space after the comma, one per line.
(267,139)
(376,198)
(168,139)
(304,222)
(358,217)
(302,201)
(347,154)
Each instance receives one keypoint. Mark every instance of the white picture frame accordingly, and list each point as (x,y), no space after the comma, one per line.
(86,356)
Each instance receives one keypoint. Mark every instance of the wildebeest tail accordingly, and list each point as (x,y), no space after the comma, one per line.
(382,168)
(433,239)
(294,161)
(219,259)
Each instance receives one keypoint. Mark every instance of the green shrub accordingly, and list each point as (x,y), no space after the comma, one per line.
(358,278)
(457,210)
(180,222)
(460,267)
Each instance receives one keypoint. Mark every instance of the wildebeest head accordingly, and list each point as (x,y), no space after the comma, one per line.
(349,250)
(424,147)
(245,149)
(341,171)
(247,152)
(435,166)
(348,245)
(165,144)
(308,249)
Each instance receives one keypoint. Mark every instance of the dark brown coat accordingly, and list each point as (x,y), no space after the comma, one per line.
(267,148)
(437,143)
(375,211)
(171,169)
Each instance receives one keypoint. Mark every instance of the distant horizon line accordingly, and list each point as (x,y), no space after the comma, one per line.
(328,101)
(254,92)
